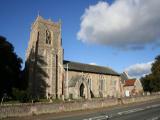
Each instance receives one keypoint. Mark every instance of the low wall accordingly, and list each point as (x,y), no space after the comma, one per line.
(41,108)
(140,99)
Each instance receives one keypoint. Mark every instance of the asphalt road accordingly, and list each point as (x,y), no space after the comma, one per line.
(146,111)
(133,114)
(140,111)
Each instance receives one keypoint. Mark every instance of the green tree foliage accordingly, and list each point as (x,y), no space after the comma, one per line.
(10,68)
(151,82)
(156,66)
(20,95)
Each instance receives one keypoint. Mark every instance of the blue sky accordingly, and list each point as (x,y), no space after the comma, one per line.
(121,53)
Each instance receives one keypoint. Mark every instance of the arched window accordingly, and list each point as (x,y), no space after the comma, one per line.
(81,90)
(90,83)
(48,37)
(101,83)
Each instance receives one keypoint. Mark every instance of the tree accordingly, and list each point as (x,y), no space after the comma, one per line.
(156,66)
(10,68)
(151,82)
(146,83)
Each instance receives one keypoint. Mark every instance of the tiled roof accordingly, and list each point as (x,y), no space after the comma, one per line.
(75,66)
(129,82)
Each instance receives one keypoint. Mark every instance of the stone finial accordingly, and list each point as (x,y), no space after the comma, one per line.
(50,20)
(39,17)
(60,22)
(38,13)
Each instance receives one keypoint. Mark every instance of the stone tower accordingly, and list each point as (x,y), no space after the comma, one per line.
(44,59)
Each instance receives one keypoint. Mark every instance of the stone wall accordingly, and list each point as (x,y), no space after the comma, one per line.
(44,59)
(110,84)
(42,108)
(139,99)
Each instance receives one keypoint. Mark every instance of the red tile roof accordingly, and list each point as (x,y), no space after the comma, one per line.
(129,82)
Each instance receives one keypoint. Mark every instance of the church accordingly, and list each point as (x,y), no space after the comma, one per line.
(52,77)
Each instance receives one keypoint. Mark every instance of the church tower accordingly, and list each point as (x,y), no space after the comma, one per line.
(44,59)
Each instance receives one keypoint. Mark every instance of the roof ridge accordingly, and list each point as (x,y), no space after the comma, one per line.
(88,64)
(88,67)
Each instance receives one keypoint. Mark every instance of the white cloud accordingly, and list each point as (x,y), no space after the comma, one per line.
(126,24)
(92,63)
(139,70)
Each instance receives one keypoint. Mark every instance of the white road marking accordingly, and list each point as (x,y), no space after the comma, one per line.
(130,111)
(125,113)
(154,118)
(104,117)
(137,109)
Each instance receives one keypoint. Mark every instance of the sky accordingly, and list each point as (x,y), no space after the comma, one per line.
(121,34)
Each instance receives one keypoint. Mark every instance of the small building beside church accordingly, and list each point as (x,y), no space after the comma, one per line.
(52,77)
(131,86)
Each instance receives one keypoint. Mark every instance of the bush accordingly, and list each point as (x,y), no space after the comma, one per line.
(20,95)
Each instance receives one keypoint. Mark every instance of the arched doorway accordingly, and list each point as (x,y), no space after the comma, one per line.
(81,90)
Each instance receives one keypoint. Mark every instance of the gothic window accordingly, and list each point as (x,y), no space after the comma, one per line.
(48,37)
(101,85)
(90,83)
(82,90)
(113,82)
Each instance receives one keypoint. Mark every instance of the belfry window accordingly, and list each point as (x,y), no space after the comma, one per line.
(48,37)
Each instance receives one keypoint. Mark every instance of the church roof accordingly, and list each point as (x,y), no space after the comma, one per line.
(75,66)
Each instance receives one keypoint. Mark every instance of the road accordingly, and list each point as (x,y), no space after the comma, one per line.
(141,111)
(146,111)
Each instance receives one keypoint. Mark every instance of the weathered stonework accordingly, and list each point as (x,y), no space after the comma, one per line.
(44,59)
(111,85)
(50,76)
